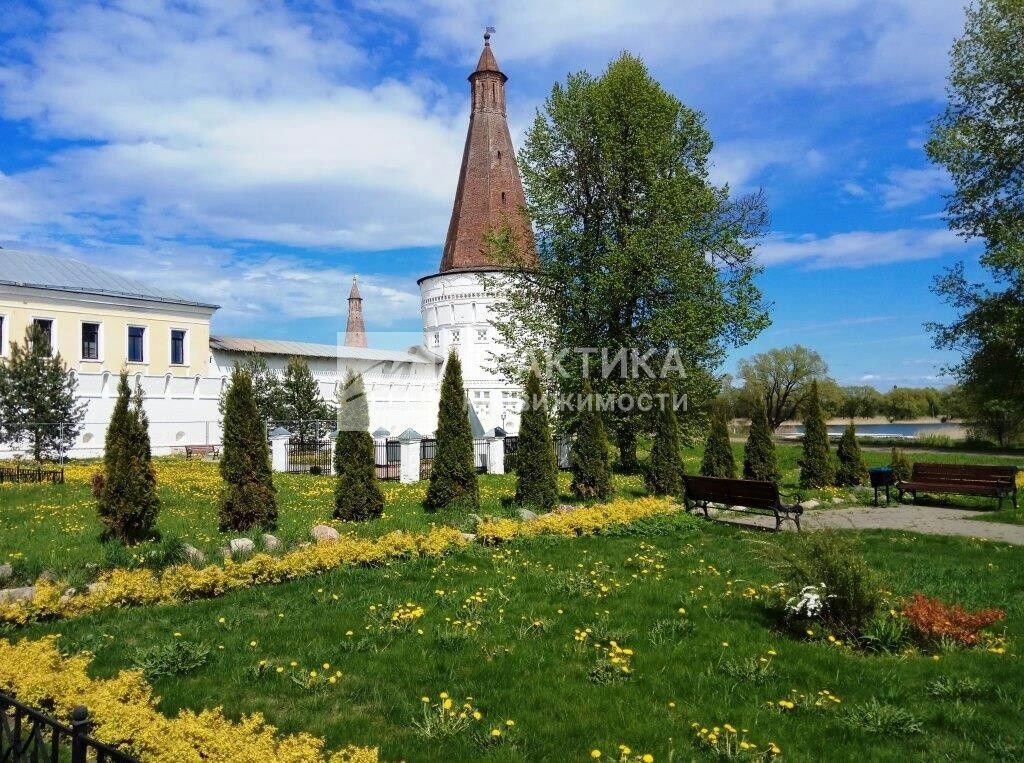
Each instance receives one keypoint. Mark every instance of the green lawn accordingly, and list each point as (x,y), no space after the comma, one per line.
(55,528)
(520,659)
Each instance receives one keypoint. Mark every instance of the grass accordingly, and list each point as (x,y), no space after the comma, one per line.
(521,657)
(55,528)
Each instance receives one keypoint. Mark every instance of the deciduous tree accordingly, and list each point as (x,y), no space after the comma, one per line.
(784,377)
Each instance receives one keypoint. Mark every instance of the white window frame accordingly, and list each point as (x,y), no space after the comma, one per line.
(53,330)
(184,347)
(145,344)
(99,341)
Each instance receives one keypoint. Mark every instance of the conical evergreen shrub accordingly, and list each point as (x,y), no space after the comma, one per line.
(816,468)
(759,461)
(248,498)
(901,469)
(128,503)
(589,456)
(357,495)
(664,475)
(718,457)
(852,469)
(453,475)
(536,463)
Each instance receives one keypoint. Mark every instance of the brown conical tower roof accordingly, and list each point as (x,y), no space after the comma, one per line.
(490,191)
(355,331)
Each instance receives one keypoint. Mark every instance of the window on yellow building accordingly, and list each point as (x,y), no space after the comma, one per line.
(136,344)
(178,347)
(90,341)
(45,325)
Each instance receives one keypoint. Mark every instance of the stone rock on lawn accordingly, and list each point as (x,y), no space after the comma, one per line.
(96,588)
(564,508)
(271,542)
(526,515)
(6,572)
(46,577)
(241,546)
(193,554)
(836,499)
(468,537)
(66,596)
(811,504)
(325,533)
(27,593)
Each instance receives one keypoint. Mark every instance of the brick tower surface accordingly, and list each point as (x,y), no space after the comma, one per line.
(355,331)
(490,191)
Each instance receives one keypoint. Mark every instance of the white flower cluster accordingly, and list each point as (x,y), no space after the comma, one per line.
(809,602)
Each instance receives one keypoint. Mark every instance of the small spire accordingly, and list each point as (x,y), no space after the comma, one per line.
(355,331)
(487,62)
(354,294)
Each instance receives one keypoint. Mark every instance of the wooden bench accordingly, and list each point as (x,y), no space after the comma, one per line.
(749,496)
(201,451)
(964,479)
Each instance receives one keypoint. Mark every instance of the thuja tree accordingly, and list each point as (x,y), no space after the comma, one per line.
(301,402)
(759,460)
(816,468)
(453,476)
(128,502)
(631,235)
(536,463)
(851,470)
(357,496)
(901,468)
(589,456)
(38,398)
(248,498)
(718,458)
(664,475)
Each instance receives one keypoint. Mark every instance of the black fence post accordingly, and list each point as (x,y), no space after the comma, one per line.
(79,726)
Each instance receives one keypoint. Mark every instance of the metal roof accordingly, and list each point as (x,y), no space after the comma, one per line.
(312,350)
(45,271)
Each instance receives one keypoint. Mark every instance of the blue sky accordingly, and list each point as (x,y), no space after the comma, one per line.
(257,153)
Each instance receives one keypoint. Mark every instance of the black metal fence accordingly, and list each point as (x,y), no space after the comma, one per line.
(311,457)
(17,473)
(388,458)
(428,447)
(511,447)
(29,736)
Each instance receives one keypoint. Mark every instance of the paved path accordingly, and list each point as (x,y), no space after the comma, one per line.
(921,519)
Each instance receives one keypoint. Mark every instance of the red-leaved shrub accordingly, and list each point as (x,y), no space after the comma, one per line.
(934,619)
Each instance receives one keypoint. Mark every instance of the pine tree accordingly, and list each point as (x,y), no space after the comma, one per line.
(357,496)
(759,461)
(901,469)
(852,469)
(664,475)
(453,475)
(301,401)
(589,456)
(816,468)
(128,503)
(38,398)
(718,457)
(248,499)
(536,464)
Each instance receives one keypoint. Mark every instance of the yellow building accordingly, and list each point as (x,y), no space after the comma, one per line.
(100,321)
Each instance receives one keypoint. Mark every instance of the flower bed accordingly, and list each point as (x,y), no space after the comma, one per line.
(125,714)
(586,520)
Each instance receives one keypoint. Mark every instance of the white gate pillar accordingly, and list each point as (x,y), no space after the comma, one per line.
(409,448)
(496,451)
(279,439)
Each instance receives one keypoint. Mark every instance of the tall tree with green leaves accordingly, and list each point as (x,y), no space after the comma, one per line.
(453,483)
(816,467)
(783,376)
(589,454)
(759,459)
(39,403)
(357,496)
(851,470)
(718,458)
(267,389)
(248,498)
(637,248)
(979,140)
(664,475)
(301,401)
(128,504)
(536,463)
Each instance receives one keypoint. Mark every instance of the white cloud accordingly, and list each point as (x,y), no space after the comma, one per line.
(857,249)
(905,187)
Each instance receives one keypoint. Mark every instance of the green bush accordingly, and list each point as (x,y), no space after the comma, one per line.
(453,475)
(718,458)
(759,461)
(536,465)
(901,468)
(816,468)
(248,498)
(664,475)
(357,496)
(852,469)
(852,588)
(128,503)
(589,456)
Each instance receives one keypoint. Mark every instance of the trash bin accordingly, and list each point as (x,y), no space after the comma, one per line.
(882,477)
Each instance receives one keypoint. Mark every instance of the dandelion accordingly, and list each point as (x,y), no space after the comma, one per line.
(595,754)
(495,733)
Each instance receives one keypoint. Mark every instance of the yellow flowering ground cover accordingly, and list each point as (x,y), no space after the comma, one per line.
(580,521)
(126,714)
